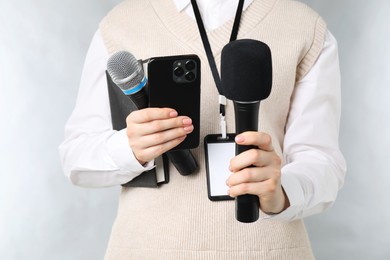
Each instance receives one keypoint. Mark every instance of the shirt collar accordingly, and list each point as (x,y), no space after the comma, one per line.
(181,4)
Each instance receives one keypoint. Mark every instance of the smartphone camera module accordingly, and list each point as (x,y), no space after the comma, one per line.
(178,71)
(190,76)
(184,71)
(190,65)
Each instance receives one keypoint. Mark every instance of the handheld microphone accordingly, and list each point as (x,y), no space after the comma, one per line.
(128,74)
(246,75)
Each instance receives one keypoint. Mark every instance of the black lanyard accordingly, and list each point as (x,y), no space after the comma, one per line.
(207,47)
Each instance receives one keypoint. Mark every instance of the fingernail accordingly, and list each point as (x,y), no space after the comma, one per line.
(173,114)
(239,139)
(188,128)
(187,121)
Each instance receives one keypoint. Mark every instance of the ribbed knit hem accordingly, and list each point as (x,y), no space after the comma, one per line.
(145,254)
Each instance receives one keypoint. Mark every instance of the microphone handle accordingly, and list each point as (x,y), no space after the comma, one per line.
(247,118)
(140,99)
(184,161)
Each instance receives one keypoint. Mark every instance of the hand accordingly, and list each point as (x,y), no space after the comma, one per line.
(257,172)
(153,131)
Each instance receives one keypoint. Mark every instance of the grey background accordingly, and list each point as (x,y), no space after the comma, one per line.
(42,216)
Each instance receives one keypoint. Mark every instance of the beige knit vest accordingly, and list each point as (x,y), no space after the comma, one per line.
(177,220)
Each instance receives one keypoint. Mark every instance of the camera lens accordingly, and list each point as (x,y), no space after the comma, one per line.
(190,76)
(178,71)
(190,65)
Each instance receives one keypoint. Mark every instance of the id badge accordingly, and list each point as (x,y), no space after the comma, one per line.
(218,153)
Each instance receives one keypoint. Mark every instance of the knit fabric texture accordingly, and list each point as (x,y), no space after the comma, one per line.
(177,220)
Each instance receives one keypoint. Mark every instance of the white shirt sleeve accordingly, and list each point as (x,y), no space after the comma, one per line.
(315,168)
(93,154)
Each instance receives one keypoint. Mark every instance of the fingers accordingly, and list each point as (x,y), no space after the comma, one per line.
(150,114)
(272,198)
(255,180)
(151,120)
(255,171)
(159,137)
(262,140)
(258,172)
(147,154)
(260,189)
(159,125)
(252,174)
(153,131)
(254,157)
(262,157)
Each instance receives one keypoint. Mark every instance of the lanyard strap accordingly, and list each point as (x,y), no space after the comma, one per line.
(206,42)
(210,56)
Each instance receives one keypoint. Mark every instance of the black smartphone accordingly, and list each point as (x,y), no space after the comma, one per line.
(174,82)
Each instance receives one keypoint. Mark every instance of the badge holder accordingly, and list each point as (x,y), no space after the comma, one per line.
(218,153)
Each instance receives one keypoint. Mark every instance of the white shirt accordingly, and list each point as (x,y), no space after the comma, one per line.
(315,167)
(214,12)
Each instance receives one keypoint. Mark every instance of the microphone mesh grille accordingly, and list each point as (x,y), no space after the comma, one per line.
(122,65)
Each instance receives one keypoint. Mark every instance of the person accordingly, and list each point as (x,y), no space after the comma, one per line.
(296,171)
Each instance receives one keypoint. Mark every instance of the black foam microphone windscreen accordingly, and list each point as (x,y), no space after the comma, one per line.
(246,75)
(246,70)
